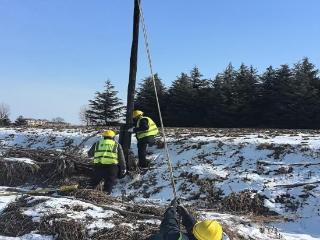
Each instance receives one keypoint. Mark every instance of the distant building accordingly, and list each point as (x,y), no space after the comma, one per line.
(35,122)
(56,124)
(44,123)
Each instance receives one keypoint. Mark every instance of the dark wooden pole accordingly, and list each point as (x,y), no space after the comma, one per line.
(125,137)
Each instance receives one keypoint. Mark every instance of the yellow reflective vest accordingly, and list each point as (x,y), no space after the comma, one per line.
(106,152)
(151,131)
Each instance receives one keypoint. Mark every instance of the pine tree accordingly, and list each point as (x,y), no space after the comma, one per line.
(279,92)
(221,112)
(196,78)
(181,99)
(245,96)
(201,92)
(307,101)
(266,100)
(146,100)
(106,108)
(291,96)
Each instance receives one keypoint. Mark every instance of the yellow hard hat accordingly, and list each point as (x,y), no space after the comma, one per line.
(207,230)
(108,133)
(137,113)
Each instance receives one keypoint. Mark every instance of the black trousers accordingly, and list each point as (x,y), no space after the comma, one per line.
(142,150)
(108,172)
(169,228)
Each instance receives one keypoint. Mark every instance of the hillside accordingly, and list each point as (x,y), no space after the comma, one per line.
(261,184)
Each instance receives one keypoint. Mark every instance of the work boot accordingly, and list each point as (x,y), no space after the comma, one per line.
(144,164)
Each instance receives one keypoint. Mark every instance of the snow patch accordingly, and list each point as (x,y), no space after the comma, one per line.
(24,160)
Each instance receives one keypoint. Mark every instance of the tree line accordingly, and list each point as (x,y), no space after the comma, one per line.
(283,97)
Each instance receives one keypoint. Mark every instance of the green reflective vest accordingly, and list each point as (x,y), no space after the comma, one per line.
(151,131)
(106,152)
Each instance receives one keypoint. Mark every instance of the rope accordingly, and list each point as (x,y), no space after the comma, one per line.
(145,35)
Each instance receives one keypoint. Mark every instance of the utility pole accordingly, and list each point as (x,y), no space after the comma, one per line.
(125,136)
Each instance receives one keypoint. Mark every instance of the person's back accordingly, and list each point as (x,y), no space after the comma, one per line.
(145,130)
(106,152)
(108,158)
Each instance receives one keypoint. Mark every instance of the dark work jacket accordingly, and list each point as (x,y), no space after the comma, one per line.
(143,125)
(121,159)
(169,228)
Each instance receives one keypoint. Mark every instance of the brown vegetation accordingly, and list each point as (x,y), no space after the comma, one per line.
(246,202)
(49,167)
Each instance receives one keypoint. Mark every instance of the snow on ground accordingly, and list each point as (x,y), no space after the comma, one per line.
(67,207)
(97,218)
(266,161)
(5,200)
(31,236)
(45,138)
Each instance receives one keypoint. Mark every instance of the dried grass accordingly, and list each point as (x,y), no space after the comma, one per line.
(93,196)
(13,223)
(14,173)
(50,168)
(35,154)
(246,202)
(143,232)
(279,150)
(62,228)
(151,210)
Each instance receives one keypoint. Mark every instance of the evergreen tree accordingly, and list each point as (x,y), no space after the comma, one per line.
(181,99)
(146,100)
(20,121)
(279,92)
(268,90)
(222,110)
(106,108)
(307,101)
(281,98)
(245,96)
(196,78)
(291,96)
(200,97)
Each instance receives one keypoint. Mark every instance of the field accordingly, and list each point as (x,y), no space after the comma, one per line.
(260,184)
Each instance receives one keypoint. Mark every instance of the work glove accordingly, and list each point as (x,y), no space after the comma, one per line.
(175,202)
(131,130)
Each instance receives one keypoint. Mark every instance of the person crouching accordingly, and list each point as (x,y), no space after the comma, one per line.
(108,160)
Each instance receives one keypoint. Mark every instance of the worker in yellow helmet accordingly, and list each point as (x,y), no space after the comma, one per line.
(108,160)
(196,230)
(145,130)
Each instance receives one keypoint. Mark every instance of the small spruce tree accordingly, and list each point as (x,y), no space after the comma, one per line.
(106,108)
